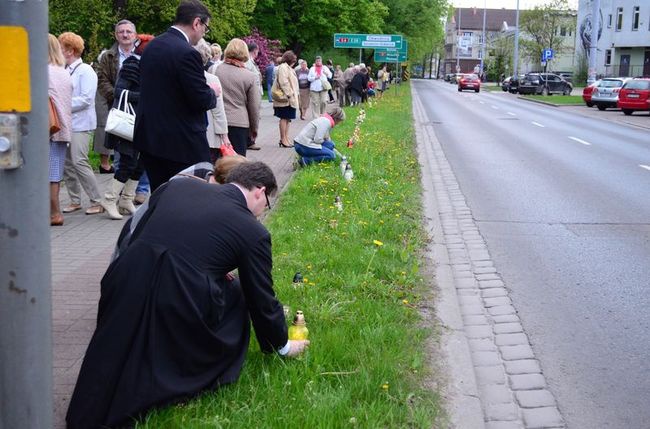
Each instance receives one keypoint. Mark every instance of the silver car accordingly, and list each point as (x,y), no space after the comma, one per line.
(606,94)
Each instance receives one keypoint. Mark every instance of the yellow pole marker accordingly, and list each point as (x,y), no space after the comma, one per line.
(15,88)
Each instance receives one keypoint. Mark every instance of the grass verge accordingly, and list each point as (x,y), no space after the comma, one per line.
(562,100)
(367,364)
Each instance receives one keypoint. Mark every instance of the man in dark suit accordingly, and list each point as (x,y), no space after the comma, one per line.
(171,121)
(172,322)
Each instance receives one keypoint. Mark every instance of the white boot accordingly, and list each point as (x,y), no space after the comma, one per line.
(126,200)
(109,202)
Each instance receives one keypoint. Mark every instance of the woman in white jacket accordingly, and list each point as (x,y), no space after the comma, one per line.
(217,132)
(313,143)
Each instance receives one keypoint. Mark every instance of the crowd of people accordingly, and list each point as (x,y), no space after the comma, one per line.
(194,104)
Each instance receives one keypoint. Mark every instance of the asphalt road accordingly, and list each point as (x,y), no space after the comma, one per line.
(563,202)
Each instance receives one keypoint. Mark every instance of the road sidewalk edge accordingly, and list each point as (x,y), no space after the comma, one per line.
(461,392)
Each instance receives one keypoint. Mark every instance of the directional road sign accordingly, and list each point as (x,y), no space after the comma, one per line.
(383,55)
(344,40)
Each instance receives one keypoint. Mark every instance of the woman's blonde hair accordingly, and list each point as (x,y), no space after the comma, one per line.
(223,166)
(72,41)
(237,49)
(54,54)
(216,51)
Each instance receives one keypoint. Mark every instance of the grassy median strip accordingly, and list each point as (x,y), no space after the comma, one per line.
(559,100)
(367,365)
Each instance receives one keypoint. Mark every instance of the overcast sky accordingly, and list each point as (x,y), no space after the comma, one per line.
(506,4)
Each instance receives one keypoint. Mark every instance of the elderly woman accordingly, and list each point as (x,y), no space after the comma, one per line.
(217,132)
(318,77)
(60,91)
(241,97)
(285,107)
(303,84)
(120,193)
(313,143)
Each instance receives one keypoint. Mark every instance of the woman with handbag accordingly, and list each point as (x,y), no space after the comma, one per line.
(285,96)
(130,168)
(318,76)
(60,93)
(302,73)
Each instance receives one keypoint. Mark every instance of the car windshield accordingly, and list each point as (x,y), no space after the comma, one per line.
(638,84)
(471,77)
(611,83)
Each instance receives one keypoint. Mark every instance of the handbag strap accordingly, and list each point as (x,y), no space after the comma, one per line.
(126,107)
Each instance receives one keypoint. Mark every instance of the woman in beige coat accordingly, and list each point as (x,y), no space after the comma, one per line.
(285,106)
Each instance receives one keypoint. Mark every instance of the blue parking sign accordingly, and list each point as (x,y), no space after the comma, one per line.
(547,54)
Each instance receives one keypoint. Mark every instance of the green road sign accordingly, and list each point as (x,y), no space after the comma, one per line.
(390,57)
(344,40)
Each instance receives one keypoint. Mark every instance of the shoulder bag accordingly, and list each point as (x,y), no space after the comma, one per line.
(55,123)
(121,120)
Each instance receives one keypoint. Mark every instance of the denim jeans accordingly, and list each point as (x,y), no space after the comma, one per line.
(309,155)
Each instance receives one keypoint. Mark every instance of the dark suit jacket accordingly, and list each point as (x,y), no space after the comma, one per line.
(170,324)
(171,119)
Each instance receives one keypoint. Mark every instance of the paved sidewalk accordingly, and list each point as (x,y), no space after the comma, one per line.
(81,250)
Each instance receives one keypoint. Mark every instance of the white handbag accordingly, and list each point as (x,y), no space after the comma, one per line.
(121,120)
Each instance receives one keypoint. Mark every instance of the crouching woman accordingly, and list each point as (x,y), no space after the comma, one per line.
(313,143)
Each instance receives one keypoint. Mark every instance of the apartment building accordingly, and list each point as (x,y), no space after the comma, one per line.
(623,44)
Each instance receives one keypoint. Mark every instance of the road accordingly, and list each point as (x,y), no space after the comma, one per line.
(563,202)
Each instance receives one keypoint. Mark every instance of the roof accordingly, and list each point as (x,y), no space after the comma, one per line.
(472,18)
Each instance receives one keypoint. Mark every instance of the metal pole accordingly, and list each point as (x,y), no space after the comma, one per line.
(515,59)
(483,44)
(360,51)
(458,44)
(593,42)
(25,265)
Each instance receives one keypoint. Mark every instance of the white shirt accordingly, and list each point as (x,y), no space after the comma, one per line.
(183,33)
(316,83)
(84,87)
(123,55)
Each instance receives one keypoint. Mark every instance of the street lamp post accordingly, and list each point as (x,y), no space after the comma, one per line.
(516,53)
(458,44)
(483,44)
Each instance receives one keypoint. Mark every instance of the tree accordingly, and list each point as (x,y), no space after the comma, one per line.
(541,26)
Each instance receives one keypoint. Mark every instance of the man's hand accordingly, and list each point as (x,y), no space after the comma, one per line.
(296,347)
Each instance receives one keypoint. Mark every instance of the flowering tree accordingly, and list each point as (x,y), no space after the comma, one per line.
(269,49)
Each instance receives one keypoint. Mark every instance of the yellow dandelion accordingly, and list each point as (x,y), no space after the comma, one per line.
(305,280)
(405,301)
(384,386)
(378,243)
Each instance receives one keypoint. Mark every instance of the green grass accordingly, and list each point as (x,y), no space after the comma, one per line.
(367,365)
(492,87)
(563,100)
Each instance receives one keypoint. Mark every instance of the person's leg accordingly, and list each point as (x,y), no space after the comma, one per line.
(56,217)
(287,140)
(57,163)
(143,189)
(310,155)
(156,173)
(314,103)
(238,137)
(80,144)
(323,102)
(71,182)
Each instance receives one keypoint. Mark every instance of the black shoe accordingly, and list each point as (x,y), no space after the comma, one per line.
(103,170)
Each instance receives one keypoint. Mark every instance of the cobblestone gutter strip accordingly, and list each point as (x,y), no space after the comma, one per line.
(495,380)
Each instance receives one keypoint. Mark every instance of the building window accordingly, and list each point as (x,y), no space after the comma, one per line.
(609,21)
(619,19)
(562,31)
(608,57)
(635,18)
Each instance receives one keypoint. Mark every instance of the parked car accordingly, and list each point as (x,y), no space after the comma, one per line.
(448,77)
(606,94)
(505,85)
(635,95)
(513,86)
(568,76)
(544,84)
(454,77)
(469,81)
(586,93)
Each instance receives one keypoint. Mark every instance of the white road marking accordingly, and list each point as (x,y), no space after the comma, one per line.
(537,124)
(580,141)
(495,107)
(511,114)
(482,102)
(647,167)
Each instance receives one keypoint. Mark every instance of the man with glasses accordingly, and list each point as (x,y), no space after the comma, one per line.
(172,320)
(171,123)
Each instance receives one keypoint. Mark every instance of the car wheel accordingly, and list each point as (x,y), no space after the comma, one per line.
(504,89)
(459,90)
(567,91)
(589,104)
(601,107)
(627,112)
(545,91)
(476,90)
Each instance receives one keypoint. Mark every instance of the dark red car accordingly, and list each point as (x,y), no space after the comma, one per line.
(586,93)
(635,95)
(469,81)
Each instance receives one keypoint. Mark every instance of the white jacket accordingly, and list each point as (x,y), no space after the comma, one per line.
(316,83)
(217,122)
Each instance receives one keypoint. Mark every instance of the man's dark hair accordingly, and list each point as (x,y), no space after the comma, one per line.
(252,46)
(253,175)
(190,9)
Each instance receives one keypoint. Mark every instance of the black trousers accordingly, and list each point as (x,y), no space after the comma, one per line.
(130,167)
(239,137)
(160,170)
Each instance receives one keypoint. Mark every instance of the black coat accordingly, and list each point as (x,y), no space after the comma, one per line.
(128,79)
(171,119)
(170,324)
(359,83)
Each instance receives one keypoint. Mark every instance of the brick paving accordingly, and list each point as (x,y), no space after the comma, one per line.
(81,250)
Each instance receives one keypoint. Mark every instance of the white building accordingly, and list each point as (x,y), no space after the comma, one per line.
(623,46)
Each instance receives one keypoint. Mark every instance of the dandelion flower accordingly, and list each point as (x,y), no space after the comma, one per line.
(384,386)
(378,243)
